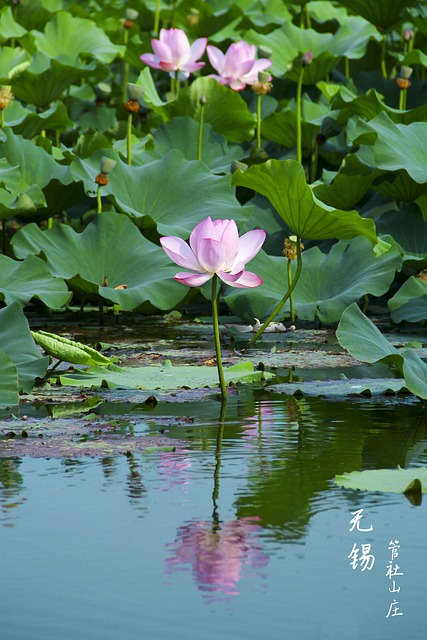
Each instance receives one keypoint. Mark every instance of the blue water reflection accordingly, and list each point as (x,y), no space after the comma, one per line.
(239,533)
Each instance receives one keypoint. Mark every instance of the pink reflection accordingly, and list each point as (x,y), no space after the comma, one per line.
(260,427)
(218,553)
(172,469)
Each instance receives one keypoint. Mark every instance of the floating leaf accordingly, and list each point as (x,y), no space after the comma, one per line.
(165,376)
(388,480)
(68,350)
(284,184)
(341,388)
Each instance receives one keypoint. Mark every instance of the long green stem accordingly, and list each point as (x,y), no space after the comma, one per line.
(285,297)
(129,140)
(383,53)
(347,68)
(291,300)
(157,18)
(200,136)
(217,339)
(125,68)
(2,118)
(299,92)
(402,99)
(258,121)
(99,200)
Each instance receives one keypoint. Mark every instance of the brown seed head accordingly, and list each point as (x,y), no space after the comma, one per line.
(290,248)
(132,106)
(101,179)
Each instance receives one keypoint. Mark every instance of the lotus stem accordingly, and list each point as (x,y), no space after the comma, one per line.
(383,53)
(129,140)
(347,68)
(2,118)
(258,121)
(219,437)
(217,338)
(157,18)
(291,300)
(177,83)
(99,200)
(307,17)
(125,68)
(285,297)
(299,91)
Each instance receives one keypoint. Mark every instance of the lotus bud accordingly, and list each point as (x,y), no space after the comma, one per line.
(263,85)
(290,247)
(131,15)
(6,96)
(202,100)
(238,166)
(264,52)
(193,17)
(307,59)
(107,164)
(408,34)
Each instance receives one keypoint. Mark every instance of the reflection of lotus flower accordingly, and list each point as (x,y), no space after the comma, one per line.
(215,248)
(172,467)
(172,52)
(238,66)
(218,554)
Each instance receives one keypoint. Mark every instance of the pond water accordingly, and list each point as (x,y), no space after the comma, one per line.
(238,533)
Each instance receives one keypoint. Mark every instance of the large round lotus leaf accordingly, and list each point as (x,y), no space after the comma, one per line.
(9,28)
(9,396)
(392,147)
(109,253)
(284,184)
(225,110)
(182,133)
(347,187)
(386,480)
(173,194)
(53,119)
(45,79)
(410,301)
(21,281)
(408,227)
(70,39)
(17,343)
(319,292)
(381,13)
(289,43)
(11,60)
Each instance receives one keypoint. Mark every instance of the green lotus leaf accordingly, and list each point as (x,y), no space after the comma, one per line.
(68,350)
(22,281)
(9,28)
(70,39)
(12,61)
(33,14)
(410,301)
(192,192)
(408,227)
(36,166)
(387,480)
(45,79)
(364,341)
(345,188)
(182,133)
(396,146)
(151,97)
(54,118)
(225,110)
(319,293)
(289,43)
(17,343)
(9,395)
(280,126)
(341,388)
(163,376)
(284,184)
(381,13)
(109,253)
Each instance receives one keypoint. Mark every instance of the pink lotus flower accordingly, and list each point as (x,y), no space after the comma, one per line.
(172,52)
(238,66)
(215,248)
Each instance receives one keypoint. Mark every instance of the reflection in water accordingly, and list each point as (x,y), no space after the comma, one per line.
(11,486)
(172,468)
(217,553)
